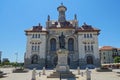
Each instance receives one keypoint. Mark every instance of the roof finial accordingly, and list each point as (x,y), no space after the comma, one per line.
(62,3)
(85,23)
(39,24)
(75,17)
(48,17)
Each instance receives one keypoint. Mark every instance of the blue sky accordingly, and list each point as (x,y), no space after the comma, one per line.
(19,15)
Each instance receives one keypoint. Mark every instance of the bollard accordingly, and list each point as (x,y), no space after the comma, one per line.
(78,70)
(54,70)
(43,70)
(39,74)
(82,74)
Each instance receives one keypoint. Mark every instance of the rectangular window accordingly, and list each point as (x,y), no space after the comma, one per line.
(104,57)
(84,35)
(88,48)
(38,35)
(33,36)
(38,48)
(35,48)
(32,48)
(103,53)
(85,48)
(87,35)
(90,35)
(91,47)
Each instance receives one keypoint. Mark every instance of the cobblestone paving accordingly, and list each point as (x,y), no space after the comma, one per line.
(27,76)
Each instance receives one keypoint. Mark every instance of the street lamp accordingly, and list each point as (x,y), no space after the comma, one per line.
(16,56)
(16,59)
(0,56)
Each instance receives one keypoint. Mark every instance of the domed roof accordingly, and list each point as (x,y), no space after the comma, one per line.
(61,7)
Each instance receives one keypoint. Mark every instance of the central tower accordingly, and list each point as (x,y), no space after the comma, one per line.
(62,10)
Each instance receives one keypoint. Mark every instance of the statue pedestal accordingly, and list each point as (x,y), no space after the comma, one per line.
(62,65)
(62,68)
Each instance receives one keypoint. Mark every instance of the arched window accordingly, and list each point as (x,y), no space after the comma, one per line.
(34,59)
(71,44)
(53,44)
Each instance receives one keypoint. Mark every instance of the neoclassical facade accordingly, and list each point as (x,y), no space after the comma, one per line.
(80,41)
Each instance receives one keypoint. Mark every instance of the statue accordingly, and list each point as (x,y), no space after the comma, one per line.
(62,41)
(34,74)
(88,74)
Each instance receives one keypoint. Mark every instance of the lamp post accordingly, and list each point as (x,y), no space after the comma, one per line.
(16,59)
(60,76)
(16,56)
(0,56)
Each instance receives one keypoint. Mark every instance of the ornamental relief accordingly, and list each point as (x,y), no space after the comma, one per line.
(34,42)
(58,32)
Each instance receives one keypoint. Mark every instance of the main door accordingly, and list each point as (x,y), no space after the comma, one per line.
(89,60)
(34,59)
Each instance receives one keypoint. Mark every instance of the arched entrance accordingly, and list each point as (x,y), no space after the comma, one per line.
(34,59)
(89,60)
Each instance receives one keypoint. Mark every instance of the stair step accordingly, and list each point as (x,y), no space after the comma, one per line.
(63,75)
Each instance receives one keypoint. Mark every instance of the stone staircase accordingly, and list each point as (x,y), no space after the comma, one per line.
(62,75)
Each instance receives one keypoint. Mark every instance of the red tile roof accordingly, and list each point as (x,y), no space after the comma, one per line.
(118,48)
(38,28)
(107,48)
(88,28)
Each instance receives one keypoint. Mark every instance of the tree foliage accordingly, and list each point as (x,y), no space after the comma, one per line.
(117,59)
(6,62)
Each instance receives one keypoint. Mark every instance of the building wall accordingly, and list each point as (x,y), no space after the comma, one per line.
(41,52)
(78,57)
(73,55)
(106,57)
(88,41)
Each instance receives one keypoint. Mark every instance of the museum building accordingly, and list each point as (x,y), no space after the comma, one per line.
(80,41)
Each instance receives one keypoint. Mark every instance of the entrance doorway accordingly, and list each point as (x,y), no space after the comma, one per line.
(34,59)
(89,60)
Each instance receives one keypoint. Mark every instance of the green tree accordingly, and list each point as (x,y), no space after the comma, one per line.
(6,62)
(117,59)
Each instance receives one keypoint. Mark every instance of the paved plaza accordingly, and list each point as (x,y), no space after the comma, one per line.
(27,76)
